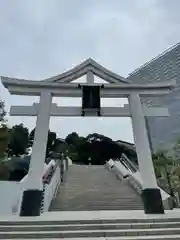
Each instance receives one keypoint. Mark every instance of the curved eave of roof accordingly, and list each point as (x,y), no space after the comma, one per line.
(83,68)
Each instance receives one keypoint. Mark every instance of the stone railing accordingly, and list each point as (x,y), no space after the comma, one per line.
(52,182)
(134,179)
(50,188)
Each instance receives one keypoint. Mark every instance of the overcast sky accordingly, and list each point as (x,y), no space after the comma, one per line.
(42,38)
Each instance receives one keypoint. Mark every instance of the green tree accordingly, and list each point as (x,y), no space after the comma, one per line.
(83,150)
(3,131)
(159,161)
(31,138)
(164,169)
(95,148)
(50,142)
(18,142)
(72,139)
(2,111)
(4,138)
(102,148)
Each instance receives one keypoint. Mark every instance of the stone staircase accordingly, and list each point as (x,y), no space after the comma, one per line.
(88,188)
(105,229)
(79,205)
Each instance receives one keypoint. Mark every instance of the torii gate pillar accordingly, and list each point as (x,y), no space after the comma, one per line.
(151,194)
(31,201)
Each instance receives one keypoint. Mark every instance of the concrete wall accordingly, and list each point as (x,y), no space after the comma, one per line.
(11,194)
(10,197)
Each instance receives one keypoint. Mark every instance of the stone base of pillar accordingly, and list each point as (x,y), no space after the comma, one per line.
(31,203)
(152,201)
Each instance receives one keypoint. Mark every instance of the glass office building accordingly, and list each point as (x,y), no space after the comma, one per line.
(164,131)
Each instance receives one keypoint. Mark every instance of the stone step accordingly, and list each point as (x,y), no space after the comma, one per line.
(75,227)
(169,237)
(89,233)
(161,227)
(94,208)
(64,222)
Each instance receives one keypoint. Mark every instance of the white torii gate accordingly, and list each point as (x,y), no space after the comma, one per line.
(62,86)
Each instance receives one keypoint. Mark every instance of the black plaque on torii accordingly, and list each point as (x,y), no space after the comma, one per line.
(91,99)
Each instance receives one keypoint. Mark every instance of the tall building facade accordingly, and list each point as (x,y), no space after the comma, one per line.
(163,131)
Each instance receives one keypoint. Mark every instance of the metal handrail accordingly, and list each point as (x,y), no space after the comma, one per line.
(132,166)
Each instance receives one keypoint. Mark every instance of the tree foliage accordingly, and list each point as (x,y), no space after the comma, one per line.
(4,131)
(167,170)
(72,139)
(2,111)
(4,138)
(95,148)
(19,139)
(50,142)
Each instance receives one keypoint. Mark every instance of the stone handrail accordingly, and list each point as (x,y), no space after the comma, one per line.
(51,187)
(134,168)
(50,190)
(134,179)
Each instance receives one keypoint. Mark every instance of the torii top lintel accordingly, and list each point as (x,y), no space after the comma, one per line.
(61,85)
(83,68)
